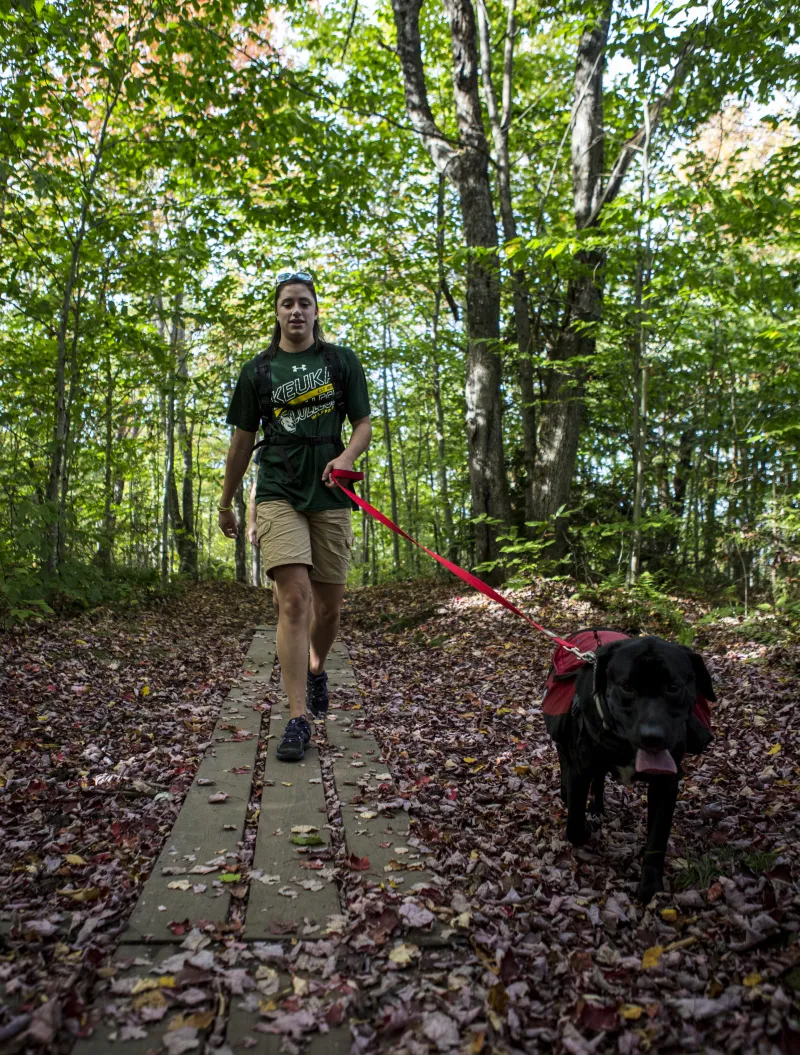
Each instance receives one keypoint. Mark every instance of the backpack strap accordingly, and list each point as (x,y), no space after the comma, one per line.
(334,364)
(267,409)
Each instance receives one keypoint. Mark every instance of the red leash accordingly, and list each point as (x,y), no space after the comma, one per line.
(348,474)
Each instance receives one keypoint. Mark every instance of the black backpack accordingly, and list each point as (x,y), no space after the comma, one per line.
(281,440)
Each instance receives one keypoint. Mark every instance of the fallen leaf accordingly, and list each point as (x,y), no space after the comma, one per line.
(403,955)
(651,957)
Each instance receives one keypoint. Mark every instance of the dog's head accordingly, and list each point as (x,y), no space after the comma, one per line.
(650,687)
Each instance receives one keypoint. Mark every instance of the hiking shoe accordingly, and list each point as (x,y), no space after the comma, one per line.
(317,694)
(296,738)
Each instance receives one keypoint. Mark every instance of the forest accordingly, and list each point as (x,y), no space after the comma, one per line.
(561,238)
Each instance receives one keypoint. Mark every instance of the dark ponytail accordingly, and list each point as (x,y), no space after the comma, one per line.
(316,333)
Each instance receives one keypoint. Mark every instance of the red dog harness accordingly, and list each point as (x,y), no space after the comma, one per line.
(560,688)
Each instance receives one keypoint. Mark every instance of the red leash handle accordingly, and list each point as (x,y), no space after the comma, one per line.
(337,475)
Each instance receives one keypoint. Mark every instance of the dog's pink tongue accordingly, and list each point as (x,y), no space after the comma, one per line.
(655,762)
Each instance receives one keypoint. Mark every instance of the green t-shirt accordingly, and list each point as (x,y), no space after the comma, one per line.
(301,379)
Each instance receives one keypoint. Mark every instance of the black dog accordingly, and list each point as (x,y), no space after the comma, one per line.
(633,713)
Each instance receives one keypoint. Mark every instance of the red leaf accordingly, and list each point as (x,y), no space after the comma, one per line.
(358,864)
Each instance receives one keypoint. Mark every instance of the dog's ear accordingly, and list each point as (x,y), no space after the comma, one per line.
(702,677)
(602,659)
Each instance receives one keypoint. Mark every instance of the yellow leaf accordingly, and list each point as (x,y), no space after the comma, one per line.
(145,690)
(304,829)
(286,783)
(651,957)
(299,985)
(43,717)
(144,985)
(504,710)
(495,1020)
(631,1011)
(74,859)
(684,943)
(669,915)
(774,749)
(91,893)
(474,855)
(151,998)
(522,771)
(751,979)
(403,955)
(470,759)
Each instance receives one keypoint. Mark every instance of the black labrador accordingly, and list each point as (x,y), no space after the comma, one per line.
(633,713)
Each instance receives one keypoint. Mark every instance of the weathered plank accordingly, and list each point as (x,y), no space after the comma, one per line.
(289,799)
(105,1036)
(203,831)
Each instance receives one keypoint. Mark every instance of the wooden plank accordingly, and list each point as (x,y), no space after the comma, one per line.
(204,832)
(105,1036)
(291,799)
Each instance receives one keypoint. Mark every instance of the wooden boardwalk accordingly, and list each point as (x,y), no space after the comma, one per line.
(203,843)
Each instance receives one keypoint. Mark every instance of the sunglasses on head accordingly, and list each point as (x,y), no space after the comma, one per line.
(286,276)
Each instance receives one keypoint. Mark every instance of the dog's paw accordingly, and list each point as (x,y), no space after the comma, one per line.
(579,836)
(648,887)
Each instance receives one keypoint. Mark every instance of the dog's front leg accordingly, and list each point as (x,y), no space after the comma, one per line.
(662,795)
(578,782)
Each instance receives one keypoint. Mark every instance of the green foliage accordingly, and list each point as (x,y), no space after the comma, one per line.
(642,605)
(700,872)
(167,161)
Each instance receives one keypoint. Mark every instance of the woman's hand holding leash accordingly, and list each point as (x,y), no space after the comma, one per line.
(344,461)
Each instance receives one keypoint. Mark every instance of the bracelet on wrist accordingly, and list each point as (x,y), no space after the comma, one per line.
(224,509)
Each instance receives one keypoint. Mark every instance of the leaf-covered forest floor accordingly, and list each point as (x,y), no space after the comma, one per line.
(105,717)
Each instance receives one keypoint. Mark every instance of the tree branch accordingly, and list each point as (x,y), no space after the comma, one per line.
(628,150)
(409,50)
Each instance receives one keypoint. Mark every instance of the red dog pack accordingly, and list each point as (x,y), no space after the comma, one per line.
(561,682)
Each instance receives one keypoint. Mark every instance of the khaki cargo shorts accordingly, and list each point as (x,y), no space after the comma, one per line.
(321,540)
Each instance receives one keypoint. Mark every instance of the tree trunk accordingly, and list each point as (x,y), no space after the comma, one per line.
(60,423)
(560,415)
(387,440)
(183,522)
(410,514)
(499,121)
(467,168)
(561,411)
(169,497)
(441,461)
(104,548)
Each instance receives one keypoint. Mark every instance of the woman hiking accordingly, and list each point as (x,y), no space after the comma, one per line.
(300,389)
